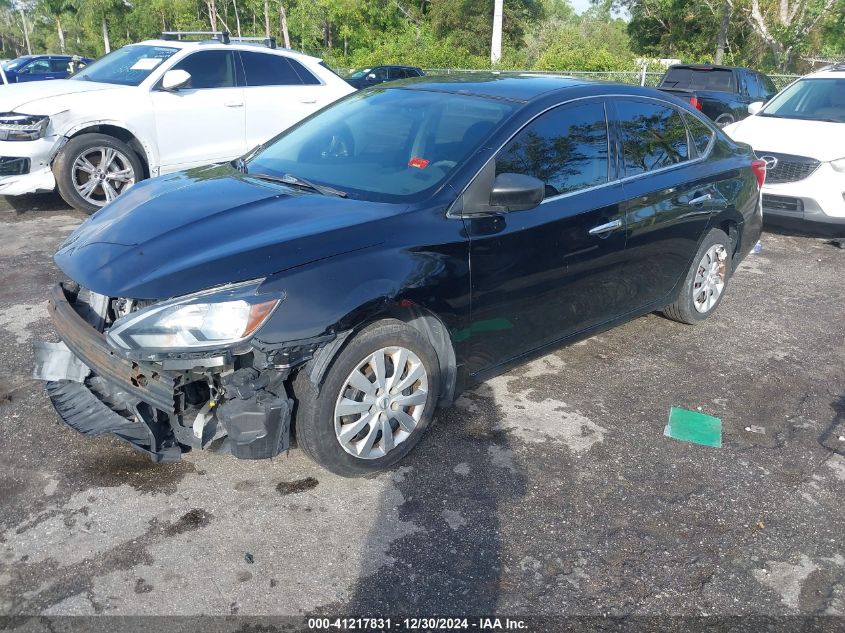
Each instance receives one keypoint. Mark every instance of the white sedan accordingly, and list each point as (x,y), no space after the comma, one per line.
(800,134)
(152,108)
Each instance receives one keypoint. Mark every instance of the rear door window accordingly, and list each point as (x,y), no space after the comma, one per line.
(58,65)
(653,136)
(267,69)
(566,148)
(209,69)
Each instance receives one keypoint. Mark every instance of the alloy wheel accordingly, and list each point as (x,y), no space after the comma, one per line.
(100,174)
(381,402)
(709,280)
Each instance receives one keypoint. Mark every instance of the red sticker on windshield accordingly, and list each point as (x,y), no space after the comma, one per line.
(419,163)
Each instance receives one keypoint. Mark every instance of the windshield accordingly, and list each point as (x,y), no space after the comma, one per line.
(812,99)
(390,145)
(128,66)
(359,73)
(16,63)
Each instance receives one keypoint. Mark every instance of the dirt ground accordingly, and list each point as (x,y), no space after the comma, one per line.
(549,490)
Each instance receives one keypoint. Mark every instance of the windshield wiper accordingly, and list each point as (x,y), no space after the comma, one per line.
(296,181)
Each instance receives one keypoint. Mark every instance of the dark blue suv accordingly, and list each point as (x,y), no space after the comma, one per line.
(40,67)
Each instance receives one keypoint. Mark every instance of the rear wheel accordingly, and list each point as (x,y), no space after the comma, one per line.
(91,170)
(376,401)
(706,280)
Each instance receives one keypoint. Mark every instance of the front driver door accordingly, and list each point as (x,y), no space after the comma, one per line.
(202,122)
(546,273)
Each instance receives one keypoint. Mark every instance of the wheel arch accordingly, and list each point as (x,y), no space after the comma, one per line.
(425,321)
(121,132)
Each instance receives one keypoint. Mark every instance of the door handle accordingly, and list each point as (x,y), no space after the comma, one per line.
(705,198)
(308,101)
(234,104)
(601,229)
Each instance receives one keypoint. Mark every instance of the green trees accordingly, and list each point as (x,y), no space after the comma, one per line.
(540,34)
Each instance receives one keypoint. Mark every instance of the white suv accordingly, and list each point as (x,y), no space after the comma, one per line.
(153,108)
(800,134)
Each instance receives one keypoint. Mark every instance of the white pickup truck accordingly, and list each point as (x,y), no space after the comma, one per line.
(152,108)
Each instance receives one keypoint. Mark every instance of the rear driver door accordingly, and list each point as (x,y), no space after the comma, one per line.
(671,196)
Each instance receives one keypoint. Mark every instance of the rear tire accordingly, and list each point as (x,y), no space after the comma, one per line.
(364,418)
(706,281)
(84,182)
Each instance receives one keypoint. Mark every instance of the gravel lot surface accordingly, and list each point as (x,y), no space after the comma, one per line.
(548,490)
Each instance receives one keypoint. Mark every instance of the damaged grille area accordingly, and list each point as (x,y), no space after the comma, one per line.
(242,402)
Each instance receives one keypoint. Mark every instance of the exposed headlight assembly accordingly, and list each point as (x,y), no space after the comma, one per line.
(838,165)
(22,127)
(205,321)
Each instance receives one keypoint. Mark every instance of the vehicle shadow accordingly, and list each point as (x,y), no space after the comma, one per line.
(829,438)
(34,202)
(452,488)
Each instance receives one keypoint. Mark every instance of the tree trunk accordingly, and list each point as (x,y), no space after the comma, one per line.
(267,19)
(723,31)
(25,31)
(212,13)
(61,34)
(106,44)
(237,17)
(283,24)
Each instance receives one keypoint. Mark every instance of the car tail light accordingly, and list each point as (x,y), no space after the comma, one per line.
(695,103)
(759,168)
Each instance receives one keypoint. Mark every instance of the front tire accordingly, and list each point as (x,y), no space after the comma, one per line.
(376,401)
(705,283)
(91,170)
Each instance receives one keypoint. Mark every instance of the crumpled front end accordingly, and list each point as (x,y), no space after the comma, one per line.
(232,401)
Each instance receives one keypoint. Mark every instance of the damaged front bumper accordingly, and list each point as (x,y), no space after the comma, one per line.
(159,412)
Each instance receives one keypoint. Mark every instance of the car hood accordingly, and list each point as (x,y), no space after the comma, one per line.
(193,230)
(45,97)
(821,140)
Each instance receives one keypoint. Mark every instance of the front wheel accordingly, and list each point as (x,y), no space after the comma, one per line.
(376,401)
(705,283)
(91,170)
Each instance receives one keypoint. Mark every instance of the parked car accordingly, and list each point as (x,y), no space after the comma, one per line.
(40,67)
(153,108)
(379,74)
(801,136)
(723,93)
(369,264)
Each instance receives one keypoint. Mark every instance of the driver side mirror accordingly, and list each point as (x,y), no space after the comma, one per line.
(517,192)
(175,79)
(754,108)
(371,76)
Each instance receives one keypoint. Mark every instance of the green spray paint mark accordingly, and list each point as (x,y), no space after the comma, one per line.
(490,325)
(694,427)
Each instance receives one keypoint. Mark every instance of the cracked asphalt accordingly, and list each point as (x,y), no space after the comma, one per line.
(549,490)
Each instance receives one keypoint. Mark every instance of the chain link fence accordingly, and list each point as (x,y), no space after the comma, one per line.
(619,76)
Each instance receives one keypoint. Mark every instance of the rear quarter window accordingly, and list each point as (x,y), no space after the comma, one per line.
(700,134)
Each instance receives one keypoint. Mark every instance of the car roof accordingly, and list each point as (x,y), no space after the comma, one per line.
(522,87)
(242,46)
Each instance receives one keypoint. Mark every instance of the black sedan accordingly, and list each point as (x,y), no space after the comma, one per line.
(370,263)
(366,77)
